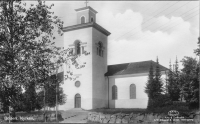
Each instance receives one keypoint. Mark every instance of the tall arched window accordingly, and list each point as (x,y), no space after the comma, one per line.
(82,19)
(100,49)
(77,47)
(132,91)
(114,92)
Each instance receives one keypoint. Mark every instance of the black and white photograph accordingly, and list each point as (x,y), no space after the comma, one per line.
(99,61)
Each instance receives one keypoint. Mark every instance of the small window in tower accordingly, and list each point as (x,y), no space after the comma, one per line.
(77,47)
(92,19)
(82,19)
(100,49)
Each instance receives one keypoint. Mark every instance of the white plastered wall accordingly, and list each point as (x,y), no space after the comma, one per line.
(84,74)
(123,85)
(100,89)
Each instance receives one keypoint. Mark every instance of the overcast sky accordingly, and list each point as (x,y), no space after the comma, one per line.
(141,30)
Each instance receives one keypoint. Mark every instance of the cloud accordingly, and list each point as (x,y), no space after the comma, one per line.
(120,23)
(166,43)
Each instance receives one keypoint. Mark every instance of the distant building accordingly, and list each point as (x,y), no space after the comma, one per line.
(99,85)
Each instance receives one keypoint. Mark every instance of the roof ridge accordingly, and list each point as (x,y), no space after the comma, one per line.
(132,62)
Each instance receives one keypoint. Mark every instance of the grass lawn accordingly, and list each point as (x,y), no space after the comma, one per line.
(118,110)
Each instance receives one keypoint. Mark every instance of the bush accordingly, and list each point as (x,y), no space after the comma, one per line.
(179,103)
(163,104)
(160,101)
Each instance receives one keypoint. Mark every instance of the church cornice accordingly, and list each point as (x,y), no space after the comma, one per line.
(86,25)
(85,8)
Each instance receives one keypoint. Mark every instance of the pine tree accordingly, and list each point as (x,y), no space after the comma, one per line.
(154,86)
(169,79)
(158,81)
(148,88)
(173,82)
(176,82)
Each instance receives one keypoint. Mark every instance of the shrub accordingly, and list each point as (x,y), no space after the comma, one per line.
(160,101)
(163,104)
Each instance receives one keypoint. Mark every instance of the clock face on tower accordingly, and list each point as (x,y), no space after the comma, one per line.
(77,83)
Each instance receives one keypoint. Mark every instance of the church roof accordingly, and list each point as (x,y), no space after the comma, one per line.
(132,68)
(86,25)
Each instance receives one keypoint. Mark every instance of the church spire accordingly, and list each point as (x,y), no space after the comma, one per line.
(86,2)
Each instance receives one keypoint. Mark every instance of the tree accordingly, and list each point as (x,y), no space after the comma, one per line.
(7,94)
(190,81)
(30,97)
(25,44)
(158,81)
(27,47)
(173,87)
(197,51)
(154,86)
(150,82)
(51,97)
(149,86)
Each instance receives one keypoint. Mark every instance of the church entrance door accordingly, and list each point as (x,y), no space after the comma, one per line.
(77,101)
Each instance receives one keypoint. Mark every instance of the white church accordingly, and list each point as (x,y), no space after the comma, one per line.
(99,85)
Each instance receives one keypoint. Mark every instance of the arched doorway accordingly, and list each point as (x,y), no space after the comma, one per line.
(77,101)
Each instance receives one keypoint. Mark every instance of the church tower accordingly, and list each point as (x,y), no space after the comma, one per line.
(89,90)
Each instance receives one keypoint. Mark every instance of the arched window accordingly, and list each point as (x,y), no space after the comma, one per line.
(100,49)
(82,19)
(92,19)
(132,91)
(77,47)
(114,92)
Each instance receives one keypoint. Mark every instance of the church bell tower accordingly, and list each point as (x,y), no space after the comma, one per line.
(86,15)
(88,91)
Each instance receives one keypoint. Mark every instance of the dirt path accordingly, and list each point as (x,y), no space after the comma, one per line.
(74,116)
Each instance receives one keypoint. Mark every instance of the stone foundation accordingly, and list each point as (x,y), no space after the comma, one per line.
(141,118)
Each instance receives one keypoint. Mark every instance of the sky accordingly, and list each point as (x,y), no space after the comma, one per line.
(141,30)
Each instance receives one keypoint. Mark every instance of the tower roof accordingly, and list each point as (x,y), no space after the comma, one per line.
(86,25)
(87,7)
